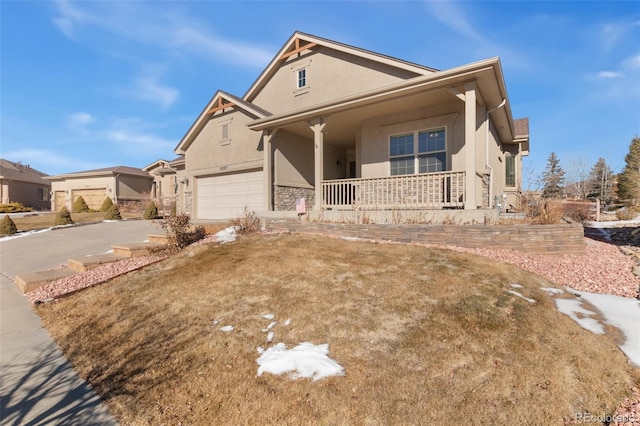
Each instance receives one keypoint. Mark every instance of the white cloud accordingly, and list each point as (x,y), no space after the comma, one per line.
(148,89)
(608,74)
(164,26)
(632,62)
(53,162)
(80,119)
(451,15)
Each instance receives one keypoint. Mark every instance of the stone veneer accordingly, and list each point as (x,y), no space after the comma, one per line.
(543,239)
(284,197)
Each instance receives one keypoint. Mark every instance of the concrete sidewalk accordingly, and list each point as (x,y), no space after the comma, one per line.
(38,386)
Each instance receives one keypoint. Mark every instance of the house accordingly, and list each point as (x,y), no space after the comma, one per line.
(121,184)
(349,130)
(20,183)
(168,179)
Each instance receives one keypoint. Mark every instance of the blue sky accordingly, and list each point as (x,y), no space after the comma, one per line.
(102,83)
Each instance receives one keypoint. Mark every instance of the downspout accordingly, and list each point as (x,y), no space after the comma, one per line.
(486,150)
(115,190)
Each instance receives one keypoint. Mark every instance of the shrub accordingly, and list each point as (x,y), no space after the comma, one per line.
(549,212)
(626,213)
(248,222)
(151,212)
(63,217)
(113,213)
(578,211)
(7,226)
(178,229)
(80,206)
(106,205)
(14,208)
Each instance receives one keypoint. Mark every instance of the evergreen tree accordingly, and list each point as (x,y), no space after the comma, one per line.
(553,178)
(63,217)
(601,181)
(80,206)
(106,205)
(629,179)
(113,213)
(151,211)
(7,226)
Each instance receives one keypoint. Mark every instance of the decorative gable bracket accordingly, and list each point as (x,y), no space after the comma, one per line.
(297,48)
(221,105)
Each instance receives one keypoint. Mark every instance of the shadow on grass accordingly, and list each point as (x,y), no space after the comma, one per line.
(46,390)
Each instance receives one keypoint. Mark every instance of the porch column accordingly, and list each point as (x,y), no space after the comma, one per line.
(267,167)
(316,127)
(470,145)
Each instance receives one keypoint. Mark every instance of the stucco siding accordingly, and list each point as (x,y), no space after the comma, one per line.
(26,193)
(211,151)
(133,188)
(331,75)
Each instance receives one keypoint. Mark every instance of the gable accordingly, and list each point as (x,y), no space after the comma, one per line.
(332,70)
(220,104)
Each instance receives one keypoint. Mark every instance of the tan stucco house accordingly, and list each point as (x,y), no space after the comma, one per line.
(349,130)
(169,180)
(121,184)
(20,183)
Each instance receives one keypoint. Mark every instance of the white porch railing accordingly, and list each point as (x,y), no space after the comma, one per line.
(423,191)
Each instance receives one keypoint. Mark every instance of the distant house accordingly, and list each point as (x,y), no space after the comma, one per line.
(168,181)
(20,183)
(354,130)
(120,183)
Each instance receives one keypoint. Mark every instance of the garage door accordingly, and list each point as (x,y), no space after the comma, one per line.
(225,196)
(58,201)
(93,197)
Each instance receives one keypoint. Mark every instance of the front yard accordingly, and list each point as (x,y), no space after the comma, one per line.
(425,336)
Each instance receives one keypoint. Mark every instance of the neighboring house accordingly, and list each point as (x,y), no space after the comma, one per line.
(350,129)
(121,184)
(169,181)
(19,183)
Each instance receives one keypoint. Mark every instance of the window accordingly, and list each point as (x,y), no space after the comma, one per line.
(428,155)
(302,78)
(43,194)
(510,170)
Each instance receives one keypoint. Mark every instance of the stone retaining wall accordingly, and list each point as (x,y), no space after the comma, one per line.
(284,197)
(543,239)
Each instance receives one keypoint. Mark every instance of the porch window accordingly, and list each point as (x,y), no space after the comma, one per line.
(510,170)
(425,151)
(401,155)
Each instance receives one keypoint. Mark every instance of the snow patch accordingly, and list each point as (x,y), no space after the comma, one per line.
(551,291)
(353,239)
(227,328)
(287,322)
(270,336)
(268,316)
(227,235)
(516,285)
(573,307)
(25,234)
(521,296)
(304,361)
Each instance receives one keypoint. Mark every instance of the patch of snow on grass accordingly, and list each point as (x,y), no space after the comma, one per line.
(227,235)
(25,234)
(270,336)
(520,295)
(551,291)
(304,361)
(573,307)
(227,328)
(287,322)
(268,316)
(516,285)
(353,239)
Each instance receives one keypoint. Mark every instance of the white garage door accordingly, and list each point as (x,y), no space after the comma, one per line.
(225,196)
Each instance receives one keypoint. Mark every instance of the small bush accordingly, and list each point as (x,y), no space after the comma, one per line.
(151,212)
(248,222)
(179,233)
(7,226)
(549,212)
(63,217)
(80,206)
(626,213)
(106,205)
(578,211)
(113,213)
(14,208)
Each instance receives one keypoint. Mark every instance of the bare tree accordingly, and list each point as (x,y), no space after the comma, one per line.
(578,183)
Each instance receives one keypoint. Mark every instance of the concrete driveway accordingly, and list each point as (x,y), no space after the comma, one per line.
(38,386)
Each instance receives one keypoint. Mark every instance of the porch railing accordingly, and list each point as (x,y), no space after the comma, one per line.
(423,191)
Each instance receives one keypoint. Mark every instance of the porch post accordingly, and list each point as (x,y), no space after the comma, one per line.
(267,168)
(470,145)
(317,126)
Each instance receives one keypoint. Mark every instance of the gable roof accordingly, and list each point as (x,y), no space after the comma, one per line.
(21,172)
(219,102)
(107,171)
(300,42)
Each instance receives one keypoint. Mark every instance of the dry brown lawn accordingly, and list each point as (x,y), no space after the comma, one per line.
(45,220)
(426,336)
